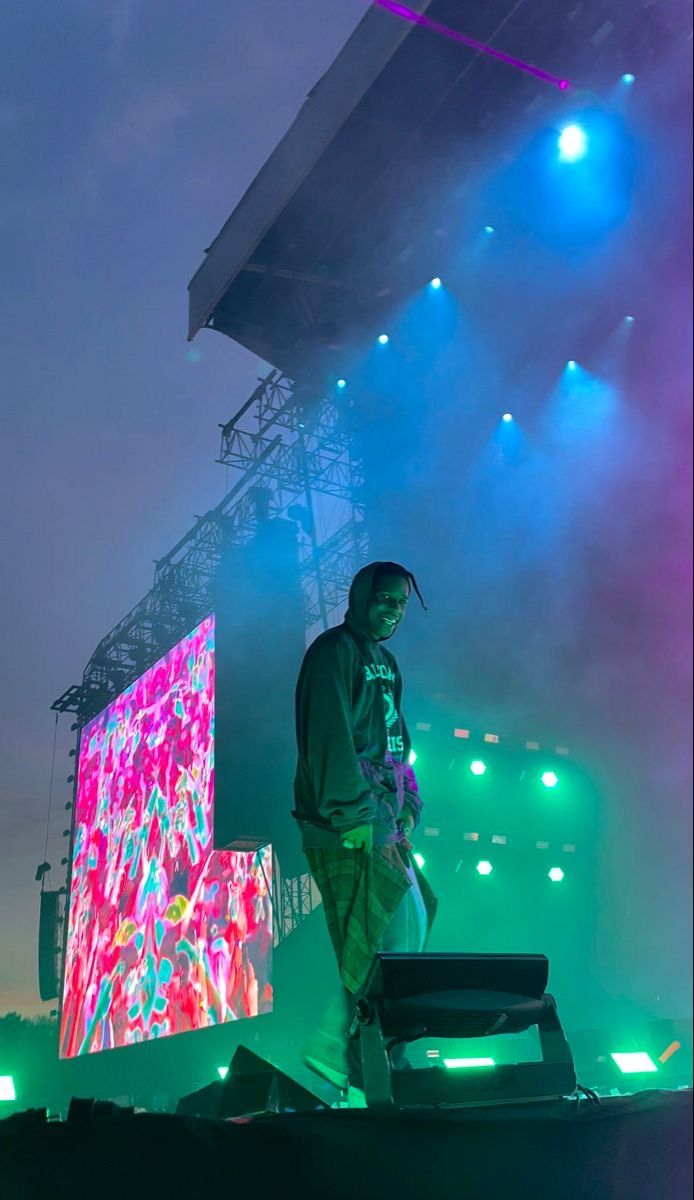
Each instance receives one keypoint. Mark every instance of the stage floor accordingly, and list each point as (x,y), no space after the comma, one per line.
(629,1148)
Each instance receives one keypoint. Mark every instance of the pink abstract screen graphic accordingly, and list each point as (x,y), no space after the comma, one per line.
(165,934)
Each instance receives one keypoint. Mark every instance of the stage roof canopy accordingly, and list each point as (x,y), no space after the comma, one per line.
(355,203)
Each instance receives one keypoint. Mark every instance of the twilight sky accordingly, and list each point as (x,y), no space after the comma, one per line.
(129,129)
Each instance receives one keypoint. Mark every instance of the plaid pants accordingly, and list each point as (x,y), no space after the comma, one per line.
(330,1046)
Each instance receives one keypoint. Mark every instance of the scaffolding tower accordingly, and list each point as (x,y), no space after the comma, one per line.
(293,441)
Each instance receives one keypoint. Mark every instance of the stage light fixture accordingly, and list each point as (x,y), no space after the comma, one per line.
(507,418)
(342,384)
(489,230)
(635,1062)
(7,1091)
(383,339)
(628,78)
(467,996)
(629,320)
(435,283)
(412,758)
(572,365)
(484,867)
(222,1072)
(550,779)
(456,1064)
(477,767)
(573,143)
(419,859)
(556,874)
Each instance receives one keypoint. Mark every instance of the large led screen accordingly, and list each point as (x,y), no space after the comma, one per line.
(165,934)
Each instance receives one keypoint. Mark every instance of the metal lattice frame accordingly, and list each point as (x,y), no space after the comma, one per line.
(293,441)
(298,902)
(300,446)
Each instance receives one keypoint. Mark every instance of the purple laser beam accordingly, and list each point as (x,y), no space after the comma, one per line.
(408,14)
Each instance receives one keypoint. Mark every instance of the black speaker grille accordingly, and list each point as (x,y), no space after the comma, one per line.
(49,933)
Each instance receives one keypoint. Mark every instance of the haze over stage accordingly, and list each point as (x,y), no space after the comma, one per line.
(358,204)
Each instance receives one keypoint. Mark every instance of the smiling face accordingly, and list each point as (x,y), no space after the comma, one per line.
(387,605)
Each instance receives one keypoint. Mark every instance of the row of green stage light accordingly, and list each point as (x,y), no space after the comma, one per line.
(484,867)
(633,1062)
(478,768)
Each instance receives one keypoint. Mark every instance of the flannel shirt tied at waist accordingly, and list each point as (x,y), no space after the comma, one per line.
(361,893)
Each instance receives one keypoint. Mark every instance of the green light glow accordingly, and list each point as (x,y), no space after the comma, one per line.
(550,779)
(484,868)
(556,874)
(7,1091)
(412,758)
(222,1072)
(478,767)
(455,1064)
(419,859)
(635,1062)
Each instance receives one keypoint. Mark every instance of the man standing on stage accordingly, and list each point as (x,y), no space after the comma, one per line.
(356,800)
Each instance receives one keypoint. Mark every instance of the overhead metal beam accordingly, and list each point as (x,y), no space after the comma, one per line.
(326,108)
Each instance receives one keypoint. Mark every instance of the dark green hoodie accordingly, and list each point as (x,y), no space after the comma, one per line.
(353,743)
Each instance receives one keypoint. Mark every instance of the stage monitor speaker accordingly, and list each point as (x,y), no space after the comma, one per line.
(49,940)
(203,1103)
(255,1086)
(252,1086)
(411,996)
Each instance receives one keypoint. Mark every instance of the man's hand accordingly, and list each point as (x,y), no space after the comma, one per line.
(361,838)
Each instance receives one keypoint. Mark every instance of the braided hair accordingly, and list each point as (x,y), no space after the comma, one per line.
(391,568)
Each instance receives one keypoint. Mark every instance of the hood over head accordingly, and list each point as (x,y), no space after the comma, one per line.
(360,592)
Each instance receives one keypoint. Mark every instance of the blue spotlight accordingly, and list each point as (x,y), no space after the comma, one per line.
(342,384)
(629,320)
(507,418)
(573,143)
(628,78)
(383,339)
(435,283)
(572,365)
(489,230)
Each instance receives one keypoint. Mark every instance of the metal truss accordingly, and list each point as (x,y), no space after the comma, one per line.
(298,902)
(292,441)
(300,445)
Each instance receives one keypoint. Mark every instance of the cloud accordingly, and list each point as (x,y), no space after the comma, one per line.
(143,123)
(120,27)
